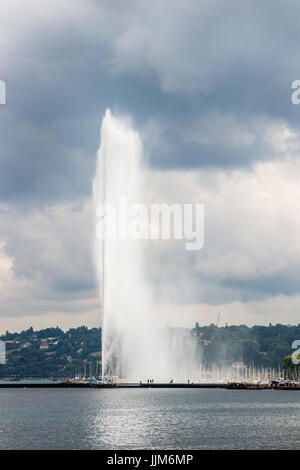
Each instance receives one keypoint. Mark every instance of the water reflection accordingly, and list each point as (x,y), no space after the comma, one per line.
(149,419)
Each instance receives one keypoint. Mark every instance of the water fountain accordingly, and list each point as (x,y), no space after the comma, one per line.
(134,345)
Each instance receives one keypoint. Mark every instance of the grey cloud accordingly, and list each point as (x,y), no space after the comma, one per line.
(223,57)
(52,250)
(203,82)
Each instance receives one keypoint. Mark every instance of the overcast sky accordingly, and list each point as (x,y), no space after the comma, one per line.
(208,86)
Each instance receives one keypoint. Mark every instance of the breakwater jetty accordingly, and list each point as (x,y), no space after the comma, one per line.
(274,385)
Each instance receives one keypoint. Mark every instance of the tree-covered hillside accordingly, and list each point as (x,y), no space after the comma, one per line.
(258,345)
(52,352)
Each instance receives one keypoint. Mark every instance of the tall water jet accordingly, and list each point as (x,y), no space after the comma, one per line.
(134,346)
(128,339)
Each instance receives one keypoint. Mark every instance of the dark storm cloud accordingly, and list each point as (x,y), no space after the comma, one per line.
(212,57)
(267,286)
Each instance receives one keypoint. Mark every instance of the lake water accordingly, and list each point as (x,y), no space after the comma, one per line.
(149,419)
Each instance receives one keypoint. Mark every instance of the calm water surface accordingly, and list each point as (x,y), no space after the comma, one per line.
(149,419)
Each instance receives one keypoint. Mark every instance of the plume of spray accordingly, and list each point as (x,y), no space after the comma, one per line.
(134,345)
